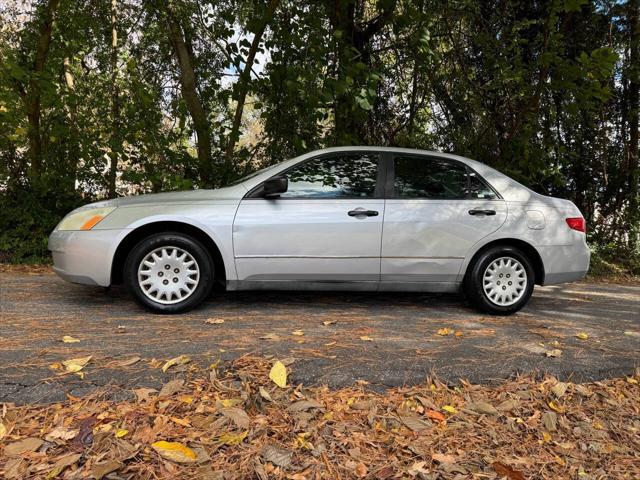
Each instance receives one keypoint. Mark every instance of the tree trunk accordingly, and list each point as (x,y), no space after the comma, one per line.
(31,96)
(243,86)
(354,44)
(115,146)
(632,120)
(73,150)
(190,95)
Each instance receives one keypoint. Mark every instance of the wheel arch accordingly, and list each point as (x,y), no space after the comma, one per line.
(136,235)
(526,248)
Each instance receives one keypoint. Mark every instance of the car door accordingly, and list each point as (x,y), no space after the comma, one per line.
(327,226)
(436,209)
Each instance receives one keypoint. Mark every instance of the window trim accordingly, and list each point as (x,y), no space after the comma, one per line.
(391,178)
(256,192)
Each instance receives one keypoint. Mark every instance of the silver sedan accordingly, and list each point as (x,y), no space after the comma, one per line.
(350,218)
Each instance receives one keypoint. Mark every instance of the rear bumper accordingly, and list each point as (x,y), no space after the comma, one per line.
(565,263)
(84,256)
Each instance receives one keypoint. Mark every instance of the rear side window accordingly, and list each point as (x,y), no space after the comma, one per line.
(438,179)
(336,176)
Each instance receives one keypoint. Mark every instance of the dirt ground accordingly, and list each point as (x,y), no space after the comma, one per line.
(333,339)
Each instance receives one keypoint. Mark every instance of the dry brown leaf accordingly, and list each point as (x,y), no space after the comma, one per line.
(30,444)
(63,463)
(171,388)
(507,471)
(99,470)
(414,423)
(276,455)
(238,416)
(483,408)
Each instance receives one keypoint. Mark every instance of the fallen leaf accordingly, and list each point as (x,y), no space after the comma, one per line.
(228,438)
(444,331)
(483,408)
(365,338)
(414,423)
(142,394)
(172,387)
(70,339)
(61,433)
(99,470)
(418,469)
(181,421)
(328,322)
(450,409)
(582,335)
(361,470)
(556,352)
(549,420)
(127,362)
(276,455)
(121,433)
(214,321)
(304,405)
(506,471)
(508,405)
(443,458)
(264,394)
(556,407)
(559,389)
(238,416)
(270,336)
(297,333)
(180,360)
(631,333)
(458,333)
(74,365)
(278,374)
(174,451)
(30,444)
(63,463)
(432,414)
(3,430)
(84,437)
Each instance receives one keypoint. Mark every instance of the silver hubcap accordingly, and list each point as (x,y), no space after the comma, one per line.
(168,275)
(504,281)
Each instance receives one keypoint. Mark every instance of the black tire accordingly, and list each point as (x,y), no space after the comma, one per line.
(473,283)
(180,241)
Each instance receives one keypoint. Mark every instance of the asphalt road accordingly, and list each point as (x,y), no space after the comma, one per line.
(384,339)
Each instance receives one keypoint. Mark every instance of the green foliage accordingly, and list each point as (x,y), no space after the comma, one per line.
(541,90)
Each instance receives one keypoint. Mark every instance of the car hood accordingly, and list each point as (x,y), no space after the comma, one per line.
(233,193)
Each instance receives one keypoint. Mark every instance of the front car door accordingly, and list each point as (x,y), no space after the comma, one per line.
(326,229)
(436,210)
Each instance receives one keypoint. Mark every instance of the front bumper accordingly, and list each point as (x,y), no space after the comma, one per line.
(84,256)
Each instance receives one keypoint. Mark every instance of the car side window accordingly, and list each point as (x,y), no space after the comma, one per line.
(345,175)
(438,179)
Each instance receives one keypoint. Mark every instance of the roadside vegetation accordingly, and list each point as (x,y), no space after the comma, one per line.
(105,98)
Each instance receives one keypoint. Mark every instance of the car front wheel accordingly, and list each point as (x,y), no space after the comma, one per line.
(500,281)
(169,272)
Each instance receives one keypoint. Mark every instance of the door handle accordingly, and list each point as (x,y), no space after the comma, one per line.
(364,213)
(482,212)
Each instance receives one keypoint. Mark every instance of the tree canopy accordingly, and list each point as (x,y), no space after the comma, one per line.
(100,98)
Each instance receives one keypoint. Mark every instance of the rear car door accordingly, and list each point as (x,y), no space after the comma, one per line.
(436,210)
(327,227)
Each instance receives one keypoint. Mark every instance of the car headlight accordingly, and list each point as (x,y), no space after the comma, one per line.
(84,219)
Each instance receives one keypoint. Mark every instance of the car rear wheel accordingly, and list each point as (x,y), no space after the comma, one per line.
(500,281)
(169,272)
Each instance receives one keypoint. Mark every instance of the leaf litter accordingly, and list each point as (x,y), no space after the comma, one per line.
(241,423)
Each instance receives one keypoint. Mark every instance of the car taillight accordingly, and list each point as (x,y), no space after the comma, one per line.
(577,223)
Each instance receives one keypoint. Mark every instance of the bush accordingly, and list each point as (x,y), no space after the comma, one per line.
(26,219)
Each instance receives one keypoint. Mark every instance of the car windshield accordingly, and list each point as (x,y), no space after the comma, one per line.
(251,175)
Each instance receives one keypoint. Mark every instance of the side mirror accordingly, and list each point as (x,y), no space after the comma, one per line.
(275,186)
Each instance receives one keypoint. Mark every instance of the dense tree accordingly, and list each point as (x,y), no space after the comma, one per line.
(108,97)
